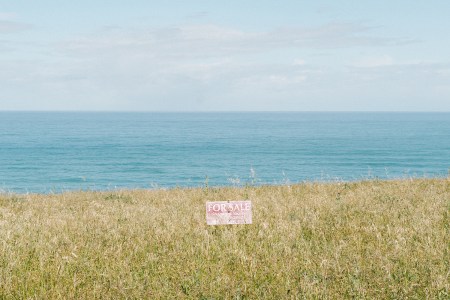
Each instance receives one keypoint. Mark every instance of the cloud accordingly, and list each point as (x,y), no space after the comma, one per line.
(12,26)
(197,15)
(208,67)
(219,85)
(200,41)
(299,62)
(7,16)
(201,54)
(374,61)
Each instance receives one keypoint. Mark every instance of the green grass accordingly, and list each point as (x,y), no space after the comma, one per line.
(364,240)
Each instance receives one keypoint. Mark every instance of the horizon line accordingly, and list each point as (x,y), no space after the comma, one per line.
(225,111)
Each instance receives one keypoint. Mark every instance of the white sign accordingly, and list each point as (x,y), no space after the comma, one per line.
(228,212)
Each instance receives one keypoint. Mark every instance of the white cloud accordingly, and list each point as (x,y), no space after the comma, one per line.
(299,62)
(202,67)
(7,26)
(202,41)
(374,61)
(7,16)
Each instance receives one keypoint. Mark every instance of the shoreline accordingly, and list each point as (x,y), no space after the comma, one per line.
(240,186)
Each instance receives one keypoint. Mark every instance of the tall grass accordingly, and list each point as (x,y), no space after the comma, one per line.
(367,240)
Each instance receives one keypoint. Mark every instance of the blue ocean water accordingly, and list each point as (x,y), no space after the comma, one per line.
(59,151)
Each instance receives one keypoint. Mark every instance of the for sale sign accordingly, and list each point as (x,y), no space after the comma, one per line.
(228,212)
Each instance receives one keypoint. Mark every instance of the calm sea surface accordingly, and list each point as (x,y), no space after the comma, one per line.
(54,152)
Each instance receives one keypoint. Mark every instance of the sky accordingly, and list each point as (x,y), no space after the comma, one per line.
(144,55)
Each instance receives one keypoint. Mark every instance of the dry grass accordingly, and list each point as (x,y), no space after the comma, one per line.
(371,239)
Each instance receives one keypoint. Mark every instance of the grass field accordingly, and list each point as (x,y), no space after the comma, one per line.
(365,240)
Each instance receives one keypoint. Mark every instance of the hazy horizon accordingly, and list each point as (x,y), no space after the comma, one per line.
(230,111)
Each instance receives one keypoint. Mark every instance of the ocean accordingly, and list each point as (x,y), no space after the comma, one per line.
(52,152)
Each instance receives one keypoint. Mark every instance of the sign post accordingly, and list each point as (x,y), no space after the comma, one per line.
(228,212)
